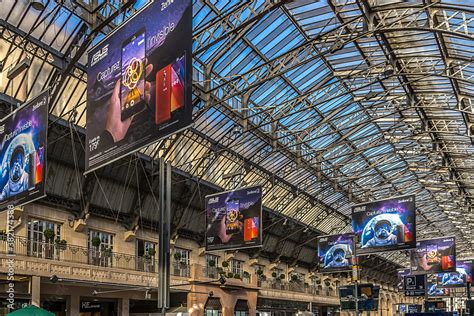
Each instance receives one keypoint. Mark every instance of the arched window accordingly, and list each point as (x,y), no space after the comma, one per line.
(241,308)
(213,307)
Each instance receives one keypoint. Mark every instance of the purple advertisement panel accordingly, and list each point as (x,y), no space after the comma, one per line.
(139,87)
(459,278)
(23,152)
(434,256)
(335,252)
(234,219)
(401,278)
(385,225)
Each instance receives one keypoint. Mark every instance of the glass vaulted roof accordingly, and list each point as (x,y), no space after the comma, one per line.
(326,104)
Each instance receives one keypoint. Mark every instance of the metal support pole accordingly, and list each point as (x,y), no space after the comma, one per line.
(355,276)
(164,246)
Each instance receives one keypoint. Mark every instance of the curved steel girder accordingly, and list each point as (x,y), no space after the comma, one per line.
(321,46)
(246,13)
(424,29)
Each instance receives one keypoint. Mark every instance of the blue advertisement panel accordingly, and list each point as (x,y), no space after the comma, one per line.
(432,288)
(434,256)
(23,152)
(385,225)
(458,278)
(335,252)
(234,219)
(139,85)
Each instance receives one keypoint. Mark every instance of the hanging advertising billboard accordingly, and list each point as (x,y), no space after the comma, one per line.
(458,278)
(234,219)
(335,252)
(434,256)
(432,288)
(401,278)
(139,82)
(23,152)
(385,225)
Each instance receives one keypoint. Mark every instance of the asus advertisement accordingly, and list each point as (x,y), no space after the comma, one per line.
(23,152)
(139,82)
(385,225)
(434,256)
(234,219)
(433,290)
(459,278)
(335,252)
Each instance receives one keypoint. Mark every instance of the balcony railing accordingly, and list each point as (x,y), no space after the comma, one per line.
(181,269)
(96,256)
(294,287)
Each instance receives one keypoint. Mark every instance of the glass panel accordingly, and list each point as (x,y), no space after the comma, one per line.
(38,246)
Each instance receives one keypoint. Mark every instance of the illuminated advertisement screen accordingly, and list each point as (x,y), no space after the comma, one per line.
(432,288)
(401,278)
(234,219)
(23,152)
(335,252)
(139,85)
(385,225)
(434,256)
(458,278)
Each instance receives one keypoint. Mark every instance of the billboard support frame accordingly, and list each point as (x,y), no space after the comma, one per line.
(164,235)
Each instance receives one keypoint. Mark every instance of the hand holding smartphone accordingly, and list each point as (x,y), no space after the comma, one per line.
(132,88)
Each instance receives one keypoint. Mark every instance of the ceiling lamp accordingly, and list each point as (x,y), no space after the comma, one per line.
(388,71)
(38,5)
(337,45)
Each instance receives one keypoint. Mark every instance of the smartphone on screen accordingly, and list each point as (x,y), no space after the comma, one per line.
(39,164)
(250,228)
(232,216)
(132,88)
(32,170)
(163,95)
(432,254)
(177,84)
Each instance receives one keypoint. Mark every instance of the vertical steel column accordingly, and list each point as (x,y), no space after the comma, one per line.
(164,242)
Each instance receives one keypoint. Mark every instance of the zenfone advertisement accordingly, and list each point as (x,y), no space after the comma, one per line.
(433,290)
(23,152)
(139,85)
(385,225)
(434,256)
(234,219)
(335,252)
(458,278)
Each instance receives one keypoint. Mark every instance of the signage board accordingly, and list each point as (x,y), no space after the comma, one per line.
(139,82)
(234,219)
(23,136)
(385,225)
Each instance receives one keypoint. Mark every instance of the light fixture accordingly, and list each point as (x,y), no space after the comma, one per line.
(21,66)
(370,95)
(337,45)
(388,71)
(38,5)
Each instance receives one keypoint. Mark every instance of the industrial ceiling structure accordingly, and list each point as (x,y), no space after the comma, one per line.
(326,104)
